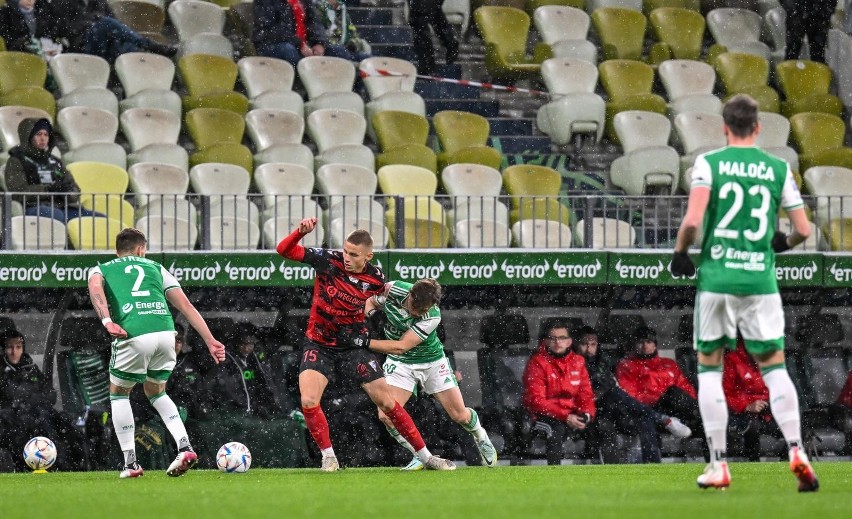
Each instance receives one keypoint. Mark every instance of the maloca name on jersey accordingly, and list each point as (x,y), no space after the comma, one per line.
(749,170)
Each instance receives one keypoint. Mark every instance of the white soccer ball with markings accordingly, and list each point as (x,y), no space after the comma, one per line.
(40,453)
(233,457)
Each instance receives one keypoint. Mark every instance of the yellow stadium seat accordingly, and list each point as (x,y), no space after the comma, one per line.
(115,207)
(99,177)
(819,138)
(742,73)
(22,77)
(524,180)
(839,234)
(425,223)
(504,31)
(806,85)
(463,137)
(210,83)
(93,232)
(680,33)
(628,84)
(622,32)
(541,208)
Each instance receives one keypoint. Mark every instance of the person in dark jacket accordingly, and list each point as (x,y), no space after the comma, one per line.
(23,23)
(243,379)
(90,27)
(32,168)
(421,15)
(811,18)
(617,407)
(291,30)
(557,391)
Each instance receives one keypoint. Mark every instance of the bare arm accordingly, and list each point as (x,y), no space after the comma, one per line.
(699,197)
(801,227)
(98,298)
(408,340)
(178,300)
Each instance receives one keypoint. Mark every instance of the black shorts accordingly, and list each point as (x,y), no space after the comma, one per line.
(357,364)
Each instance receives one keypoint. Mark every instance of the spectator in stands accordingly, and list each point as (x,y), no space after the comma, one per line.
(340,30)
(842,410)
(422,14)
(617,407)
(290,30)
(25,27)
(90,27)
(557,390)
(243,379)
(26,406)
(658,382)
(32,168)
(811,18)
(748,400)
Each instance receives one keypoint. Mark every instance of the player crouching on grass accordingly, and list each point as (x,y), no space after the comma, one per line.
(415,356)
(134,290)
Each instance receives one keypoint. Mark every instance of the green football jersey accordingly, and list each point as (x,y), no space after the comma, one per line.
(399,322)
(136,294)
(747,186)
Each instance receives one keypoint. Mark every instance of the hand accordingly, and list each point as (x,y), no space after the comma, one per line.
(217,350)
(779,242)
(306,51)
(353,336)
(318,49)
(757,406)
(115,330)
(576,422)
(682,265)
(307,225)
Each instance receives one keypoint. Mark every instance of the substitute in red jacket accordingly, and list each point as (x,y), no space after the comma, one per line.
(657,381)
(557,390)
(748,402)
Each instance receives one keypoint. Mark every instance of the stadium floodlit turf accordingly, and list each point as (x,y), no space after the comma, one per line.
(624,491)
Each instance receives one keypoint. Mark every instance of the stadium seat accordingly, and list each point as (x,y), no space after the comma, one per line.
(409,102)
(531,6)
(819,138)
(832,187)
(698,133)
(339,229)
(143,17)
(463,137)
(73,71)
(269,84)
(621,32)
(541,234)
(628,84)
(98,177)
(402,138)
(566,30)
(541,208)
(425,223)
(274,229)
(157,178)
(649,165)
(736,30)
(166,206)
(100,98)
(805,85)
(210,83)
(37,233)
(574,108)
(218,134)
(680,34)
(773,138)
(147,82)
(22,77)
(525,180)
(276,131)
(93,232)
(274,179)
(219,179)
(10,119)
(743,73)
(150,127)
(689,86)
(339,136)
(207,43)
(504,32)
(295,208)
(594,5)
(401,77)
(474,189)
(487,208)
(607,233)
(359,208)
(193,17)
(230,233)
(329,82)
(345,180)
(478,234)
(406,180)
(648,6)
(168,233)
(84,125)
(775,22)
(839,235)
(113,206)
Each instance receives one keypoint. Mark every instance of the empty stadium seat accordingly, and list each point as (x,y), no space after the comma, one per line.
(524,180)
(819,138)
(157,178)
(566,30)
(207,43)
(698,133)
(85,125)
(219,179)
(382,74)
(218,135)
(173,206)
(101,98)
(832,187)
(276,179)
(689,85)
(152,131)
(425,223)
(649,164)
(22,77)
(168,233)
(37,233)
(335,131)
(574,108)
(773,138)
(775,21)
(93,232)
(607,233)
(82,80)
(541,234)
(805,85)
(269,84)
(594,5)
(113,206)
(504,32)
(147,82)
(353,207)
(276,132)
(98,177)
(402,138)
(406,180)
(680,34)
(478,234)
(345,180)
(621,31)
(838,233)
(474,189)
(274,229)
(230,233)
(193,17)
(329,82)
(393,101)
(210,83)
(736,30)
(463,137)
(743,73)
(628,84)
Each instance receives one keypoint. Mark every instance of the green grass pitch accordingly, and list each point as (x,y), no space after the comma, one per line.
(624,491)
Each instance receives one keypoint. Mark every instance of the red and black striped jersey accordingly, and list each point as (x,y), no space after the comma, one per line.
(339,296)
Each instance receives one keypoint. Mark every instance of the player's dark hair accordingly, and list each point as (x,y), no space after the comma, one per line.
(557,325)
(585,330)
(12,333)
(360,237)
(740,115)
(128,239)
(425,293)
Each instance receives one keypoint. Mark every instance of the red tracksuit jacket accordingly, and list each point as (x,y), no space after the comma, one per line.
(647,379)
(557,387)
(742,381)
(845,397)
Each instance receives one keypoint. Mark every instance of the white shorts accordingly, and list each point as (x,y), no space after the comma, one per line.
(434,377)
(759,318)
(149,357)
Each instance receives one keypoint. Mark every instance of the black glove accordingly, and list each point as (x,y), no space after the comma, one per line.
(682,265)
(353,336)
(779,242)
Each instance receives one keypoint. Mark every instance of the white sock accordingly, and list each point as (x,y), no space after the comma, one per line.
(784,402)
(714,411)
(125,428)
(423,454)
(474,427)
(399,439)
(171,417)
(328,453)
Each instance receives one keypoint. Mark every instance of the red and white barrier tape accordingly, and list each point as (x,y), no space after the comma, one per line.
(464,82)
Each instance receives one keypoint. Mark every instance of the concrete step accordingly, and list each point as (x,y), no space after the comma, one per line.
(386,34)
(483,108)
(524,144)
(510,126)
(370,16)
(437,90)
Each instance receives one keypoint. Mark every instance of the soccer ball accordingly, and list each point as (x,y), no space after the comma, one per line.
(40,453)
(233,457)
